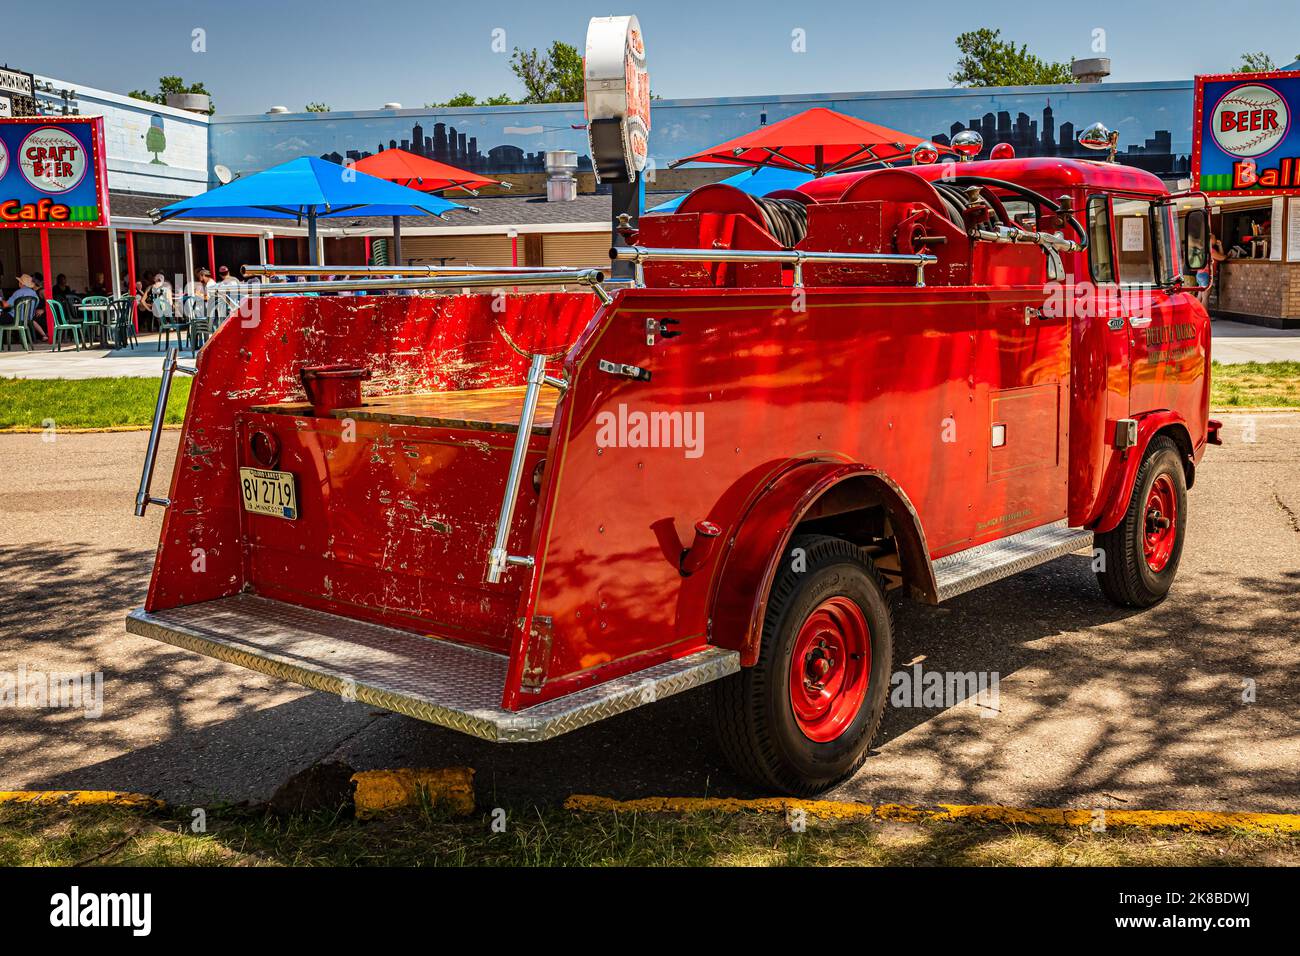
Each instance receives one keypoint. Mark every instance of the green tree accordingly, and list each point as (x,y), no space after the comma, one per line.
(988,60)
(171,84)
(1258,63)
(317,108)
(551,77)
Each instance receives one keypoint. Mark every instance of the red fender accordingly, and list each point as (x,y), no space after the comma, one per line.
(1124,468)
(749,565)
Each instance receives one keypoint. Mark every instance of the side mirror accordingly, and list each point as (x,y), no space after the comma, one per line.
(1196,240)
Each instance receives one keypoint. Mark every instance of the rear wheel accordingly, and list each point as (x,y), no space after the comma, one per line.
(1140,555)
(802,718)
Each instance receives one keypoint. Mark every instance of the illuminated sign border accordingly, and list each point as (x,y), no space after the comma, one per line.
(100,171)
(1198,124)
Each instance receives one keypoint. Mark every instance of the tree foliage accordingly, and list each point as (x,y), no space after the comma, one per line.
(551,77)
(171,84)
(1258,63)
(317,108)
(988,60)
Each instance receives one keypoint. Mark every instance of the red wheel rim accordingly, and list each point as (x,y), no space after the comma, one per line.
(1160,526)
(830,668)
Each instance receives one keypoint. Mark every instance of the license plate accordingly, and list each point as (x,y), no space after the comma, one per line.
(268,492)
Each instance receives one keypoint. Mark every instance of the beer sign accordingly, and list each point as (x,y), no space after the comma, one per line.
(1245,136)
(617,98)
(53,173)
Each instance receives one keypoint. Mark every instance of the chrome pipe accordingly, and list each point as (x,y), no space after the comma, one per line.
(384,271)
(796,257)
(143,497)
(499,558)
(587,277)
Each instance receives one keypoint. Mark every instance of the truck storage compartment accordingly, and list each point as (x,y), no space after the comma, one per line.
(396,509)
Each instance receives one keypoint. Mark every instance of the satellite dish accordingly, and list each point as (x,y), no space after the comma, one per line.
(223,174)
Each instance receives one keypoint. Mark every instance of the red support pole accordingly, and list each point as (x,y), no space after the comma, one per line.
(212,256)
(130,278)
(270,250)
(514,250)
(367,250)
(48,292)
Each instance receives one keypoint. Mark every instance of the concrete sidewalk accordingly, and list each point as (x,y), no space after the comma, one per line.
(1237,342)
(143,361)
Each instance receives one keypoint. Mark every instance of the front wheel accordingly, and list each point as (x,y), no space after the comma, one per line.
(802,718)
(1140,555)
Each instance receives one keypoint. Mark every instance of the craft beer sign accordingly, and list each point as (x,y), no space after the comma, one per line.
(52,172)
(617,98)
(1245,134)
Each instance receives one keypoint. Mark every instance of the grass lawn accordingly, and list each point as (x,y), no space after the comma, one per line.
(128,402)
(1255,384)
(61,836)
(27,403)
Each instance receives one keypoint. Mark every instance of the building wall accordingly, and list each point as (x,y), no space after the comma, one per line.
(576,249)
(1260,287)
(151,148)
(1154,121)
(67,254)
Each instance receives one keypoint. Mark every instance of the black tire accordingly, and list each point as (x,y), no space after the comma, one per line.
(1126,576)
(754,711)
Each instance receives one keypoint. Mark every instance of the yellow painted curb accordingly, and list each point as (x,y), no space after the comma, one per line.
(379,791)
(81,798)
(1195,820)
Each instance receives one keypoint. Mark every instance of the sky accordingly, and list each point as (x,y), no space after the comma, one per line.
(356,55)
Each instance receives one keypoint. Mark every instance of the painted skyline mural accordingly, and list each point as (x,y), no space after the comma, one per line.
(1154,121)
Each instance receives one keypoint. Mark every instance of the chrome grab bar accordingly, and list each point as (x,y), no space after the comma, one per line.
(798,257)
(499,558)
(588,277)
(171,365)
(382,271)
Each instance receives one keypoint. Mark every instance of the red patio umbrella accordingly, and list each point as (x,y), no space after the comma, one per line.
(817,141)
(419,172)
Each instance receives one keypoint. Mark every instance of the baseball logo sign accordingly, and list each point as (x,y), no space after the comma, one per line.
(1250,120)
(52,160)
(4,160)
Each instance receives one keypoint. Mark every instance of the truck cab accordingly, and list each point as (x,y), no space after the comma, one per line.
(530,510)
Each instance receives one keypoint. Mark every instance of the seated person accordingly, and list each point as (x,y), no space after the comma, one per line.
(27,289)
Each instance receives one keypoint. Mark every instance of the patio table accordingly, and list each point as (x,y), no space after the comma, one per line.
(103,320)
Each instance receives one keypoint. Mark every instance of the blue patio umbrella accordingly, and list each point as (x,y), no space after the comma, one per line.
(756,182)
(306,188)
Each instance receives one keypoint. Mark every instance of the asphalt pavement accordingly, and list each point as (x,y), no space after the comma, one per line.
(1190,705)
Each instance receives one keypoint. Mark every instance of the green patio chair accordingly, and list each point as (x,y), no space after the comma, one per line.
(93,322)
(17,323)
(169,323)
(63,324)
(122,323)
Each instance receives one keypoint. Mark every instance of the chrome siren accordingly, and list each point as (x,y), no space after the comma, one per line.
(1098,137)
(967,144)
(924,153)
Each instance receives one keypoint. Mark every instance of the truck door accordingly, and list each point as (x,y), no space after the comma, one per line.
(1164,316)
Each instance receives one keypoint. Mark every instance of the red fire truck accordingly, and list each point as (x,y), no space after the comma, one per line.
(514,512)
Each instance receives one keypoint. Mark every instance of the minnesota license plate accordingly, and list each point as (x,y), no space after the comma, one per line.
(268,492)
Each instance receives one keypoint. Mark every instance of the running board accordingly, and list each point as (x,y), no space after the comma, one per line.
(975,567)
(429,679)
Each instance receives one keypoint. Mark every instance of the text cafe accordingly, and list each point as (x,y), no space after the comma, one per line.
(1246,156)
(53,176)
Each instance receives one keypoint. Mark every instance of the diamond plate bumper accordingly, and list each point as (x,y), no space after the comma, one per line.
(975,567)
(425,678)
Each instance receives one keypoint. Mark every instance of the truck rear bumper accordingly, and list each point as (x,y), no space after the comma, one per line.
(431,680)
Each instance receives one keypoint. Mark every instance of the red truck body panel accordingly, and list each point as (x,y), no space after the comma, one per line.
(769,398)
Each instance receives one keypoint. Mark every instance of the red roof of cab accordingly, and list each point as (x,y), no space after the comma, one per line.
(1039,173)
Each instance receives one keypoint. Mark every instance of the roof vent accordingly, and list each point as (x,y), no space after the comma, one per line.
(391,106)
(1092,70)
(274,110)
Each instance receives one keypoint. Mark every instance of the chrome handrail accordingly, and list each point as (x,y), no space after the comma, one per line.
(264,269)
(638,255)
(588,277)
(499,557)
(171,365)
